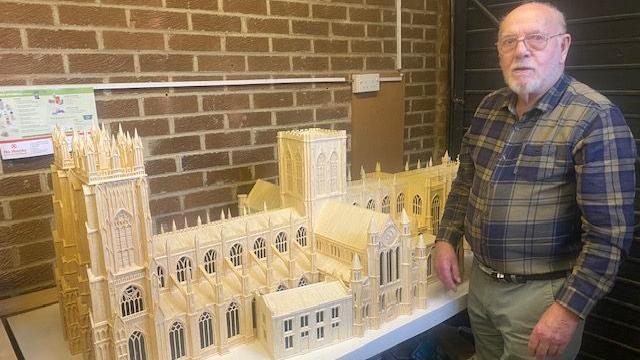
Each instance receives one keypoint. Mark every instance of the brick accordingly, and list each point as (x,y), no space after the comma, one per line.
(413,4)
(193,4)
(313,97)
(266,137)
(16,64)
(380,63)
(161,20)
(225,102)
(329,12)
(19,185)
(220,23)
(253,155)
(170,105)
(18,281)
(342,125)
(412,62)
(346,63)
(147,127)
(310,27)
(31,206)
(194,42)
(228,139)
(175,183)
(164,206)
(272,100)
(167,63)
(174,145)
(332,113)
(24,232)
(207,197)
(61,39)
(268,26)
(289,9)
(36,252)
(423,104)
(362,46)
(422,76)
(249,120)
(27,164)
(247,44)
(291,45)
(10,39)
(258,7)
(390,16)
(266,170)
(203,161)
(330,46)
(412,33)
(115,109)
(132,41)
(154,3)
(8,258)
(385,3)
(381,31)
(424,19)
(294,117)
(413,90)
(198,123)
(92,16)
(365,15)
(268,63)
(221,63)
(16,13)
(389,46)
(229,176)
(350,30)
(159,166)
(348,1)
(100,63)
(308,63)
(342,96)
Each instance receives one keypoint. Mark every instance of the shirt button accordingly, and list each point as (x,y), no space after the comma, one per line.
(503,157)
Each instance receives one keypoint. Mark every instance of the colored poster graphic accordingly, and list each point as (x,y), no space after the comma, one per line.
(28,116)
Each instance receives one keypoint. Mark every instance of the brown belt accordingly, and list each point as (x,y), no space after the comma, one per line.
(516,278)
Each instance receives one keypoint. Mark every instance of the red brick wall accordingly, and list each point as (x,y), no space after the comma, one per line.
(203,146)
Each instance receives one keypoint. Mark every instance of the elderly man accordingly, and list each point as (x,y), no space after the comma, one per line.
(544,195)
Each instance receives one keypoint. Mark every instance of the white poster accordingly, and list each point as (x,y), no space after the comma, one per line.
(28,116)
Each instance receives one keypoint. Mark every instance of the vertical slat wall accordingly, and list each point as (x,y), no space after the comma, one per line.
(605,54)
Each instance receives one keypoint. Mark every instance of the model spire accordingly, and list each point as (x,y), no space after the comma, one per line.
(363,175)
(404,218)
(406,166)
(222,214)
(418,167)
(356,262)
(378,166)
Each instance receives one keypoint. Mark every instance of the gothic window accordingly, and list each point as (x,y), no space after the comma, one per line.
(176,340)
(334,172)
(253,312)
(321,169)
(397,263)
(124,239)
(136,346)
(417,205)
(371,204)
(400,203)
(289,167)
(260,248)
(131,301)
(235,255)
(385,204)
(281,287)
(435,214)
(281,242)
(183,269)
(205,325)
(389,265)
(298,173)
(382,302)
(160,273)
(382,268)
(210,261)
(301,236)
(303,282)
(415,291)
(233,320)
(398,295)
(429,271)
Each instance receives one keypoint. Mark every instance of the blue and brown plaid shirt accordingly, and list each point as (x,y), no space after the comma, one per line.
(548,192)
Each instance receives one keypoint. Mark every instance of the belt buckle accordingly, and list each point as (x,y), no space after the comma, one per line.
(500,276)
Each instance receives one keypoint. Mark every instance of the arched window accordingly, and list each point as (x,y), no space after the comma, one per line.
(415,291)
(417,205)
(210,261)
(397,263)
(205,325)
(389,266)
(301,236)
(385,204)
(435,214)
(124,239)
(176,340)
(160,273)
(281,242)
(382,268)
(371,204)
(382,302)
(131,301)
(321,169)
(289,167)
(260,248)
(233,320)
(429,270)
(235,255)
(183,269)
(303,282)
(400,203)
(281,287)
(298,173)
(334,171)
(136,346)
(398,295)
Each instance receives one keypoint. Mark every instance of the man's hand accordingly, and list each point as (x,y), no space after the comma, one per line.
(553,332)
(447,265)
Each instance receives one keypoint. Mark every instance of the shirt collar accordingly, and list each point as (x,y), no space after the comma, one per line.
(547,102)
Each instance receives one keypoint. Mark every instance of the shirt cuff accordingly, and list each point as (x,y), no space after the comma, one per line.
(575,301)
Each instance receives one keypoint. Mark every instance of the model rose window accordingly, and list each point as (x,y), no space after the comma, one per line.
(281,242)
(385,204)
(131,301)
(183,269)
(417,205)
(205,325)
(136,346)
(235,255)
(176,340)
(260,248)
(400,203)
(210,261)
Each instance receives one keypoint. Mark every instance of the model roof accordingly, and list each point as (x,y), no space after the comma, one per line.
(264,192)
(305,297)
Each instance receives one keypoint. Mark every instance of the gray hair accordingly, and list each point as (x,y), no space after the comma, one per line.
(558,14)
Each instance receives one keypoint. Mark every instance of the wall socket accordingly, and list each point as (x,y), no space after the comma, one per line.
(365,83)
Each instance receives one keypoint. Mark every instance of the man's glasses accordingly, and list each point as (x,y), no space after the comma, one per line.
(535,42)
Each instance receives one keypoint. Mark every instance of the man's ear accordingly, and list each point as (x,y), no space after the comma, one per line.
(564,47)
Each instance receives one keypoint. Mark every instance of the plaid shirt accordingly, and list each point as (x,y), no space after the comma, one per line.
(548,192)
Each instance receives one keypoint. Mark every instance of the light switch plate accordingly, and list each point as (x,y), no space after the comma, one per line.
(365,83)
